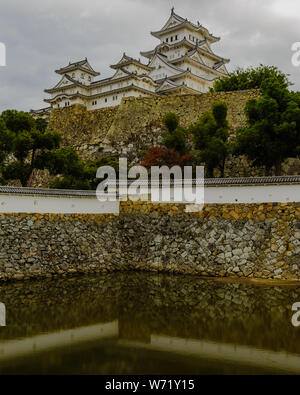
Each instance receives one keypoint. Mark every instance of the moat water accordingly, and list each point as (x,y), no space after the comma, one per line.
(138,323)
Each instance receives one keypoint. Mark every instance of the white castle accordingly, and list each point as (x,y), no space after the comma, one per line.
(182,63)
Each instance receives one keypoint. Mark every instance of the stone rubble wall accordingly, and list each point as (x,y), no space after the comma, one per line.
(135,125)
(225,240)
(82,129)
(139,122)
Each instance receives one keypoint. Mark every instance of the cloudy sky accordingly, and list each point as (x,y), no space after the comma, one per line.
(41,36)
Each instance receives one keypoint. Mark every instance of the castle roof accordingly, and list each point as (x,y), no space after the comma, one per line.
(149,54)
(82,65)
(164,60)
(189,56)
(184,41)
(41,111)
(127,60)
(175,22)
(97,95)
(166,84)
(59,87)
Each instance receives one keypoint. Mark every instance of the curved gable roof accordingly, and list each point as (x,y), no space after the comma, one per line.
(80,65)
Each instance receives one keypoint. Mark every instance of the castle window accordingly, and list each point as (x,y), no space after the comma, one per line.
(105,100)
(167,39)
(171,38)
(176,37)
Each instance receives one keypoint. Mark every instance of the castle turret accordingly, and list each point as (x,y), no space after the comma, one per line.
(184,56)
(182,63)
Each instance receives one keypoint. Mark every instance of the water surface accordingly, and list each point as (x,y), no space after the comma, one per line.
(139,323)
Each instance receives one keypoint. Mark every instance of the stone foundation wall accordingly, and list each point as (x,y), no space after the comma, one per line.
(84,130)
(230,240)
(136,124)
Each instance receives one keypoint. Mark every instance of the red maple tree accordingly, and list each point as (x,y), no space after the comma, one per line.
(158,156)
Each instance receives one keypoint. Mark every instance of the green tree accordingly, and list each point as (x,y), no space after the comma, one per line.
(74,172)
(210,137)
(6,141)
(251,78)
(175,138)
(26,144)
(24,138)
(16,121)
(273,128)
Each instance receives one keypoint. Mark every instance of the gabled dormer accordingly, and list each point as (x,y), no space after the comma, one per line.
(80,71)
(165,85)
(65,82)
(131,65)
(161,68)
(173,20)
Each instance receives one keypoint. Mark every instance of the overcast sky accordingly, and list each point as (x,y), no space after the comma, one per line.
(41,36)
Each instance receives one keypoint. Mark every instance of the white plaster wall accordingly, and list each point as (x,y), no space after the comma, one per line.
(110,102)
(17,203)
(12,203)
(244,194)
(253,194)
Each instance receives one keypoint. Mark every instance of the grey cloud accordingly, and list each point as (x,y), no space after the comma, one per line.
(42,36)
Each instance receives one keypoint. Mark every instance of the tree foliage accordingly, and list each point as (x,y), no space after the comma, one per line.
(77,174)
(158,156)
(210,135)
(175,138)
(251,78)
(23,139)
(27,144)
(273,130)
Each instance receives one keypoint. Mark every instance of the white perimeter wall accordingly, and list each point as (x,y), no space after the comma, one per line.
(55,205)
(18,203)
